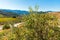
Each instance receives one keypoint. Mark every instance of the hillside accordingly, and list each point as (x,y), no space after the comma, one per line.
(12,13)
(57,14)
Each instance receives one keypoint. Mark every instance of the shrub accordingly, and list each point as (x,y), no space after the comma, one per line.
(41,27)
(6,26)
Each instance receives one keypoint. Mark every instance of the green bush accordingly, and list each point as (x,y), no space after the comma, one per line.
(6,26)
(41,27)
(38,27)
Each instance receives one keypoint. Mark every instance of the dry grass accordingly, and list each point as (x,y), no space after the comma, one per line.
(57,14)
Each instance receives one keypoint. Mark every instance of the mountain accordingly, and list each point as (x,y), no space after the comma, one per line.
(11,13)
(15,11)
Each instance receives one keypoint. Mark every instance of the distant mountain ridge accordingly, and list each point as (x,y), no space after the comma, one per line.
(14,11)
(7,12)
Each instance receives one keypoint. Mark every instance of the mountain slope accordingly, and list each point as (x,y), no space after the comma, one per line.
(10,13)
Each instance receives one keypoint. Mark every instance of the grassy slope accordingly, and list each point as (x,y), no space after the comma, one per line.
(9,20)
(57,14)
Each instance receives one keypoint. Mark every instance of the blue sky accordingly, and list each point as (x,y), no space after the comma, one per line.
(44,5)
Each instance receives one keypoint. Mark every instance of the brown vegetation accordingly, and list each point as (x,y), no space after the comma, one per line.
(57,14)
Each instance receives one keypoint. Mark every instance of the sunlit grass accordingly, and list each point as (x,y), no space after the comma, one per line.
(4,20)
